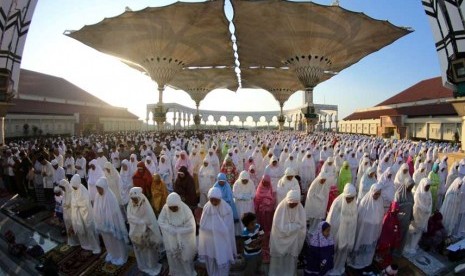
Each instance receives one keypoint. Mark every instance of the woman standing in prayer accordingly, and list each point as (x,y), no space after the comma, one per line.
(244,193)
(307,171)
(402,176)
(453,174)
(229,169)
(150,165)
(254,176)
(217,244)
(343,218)
(369,219)
(178,227)
(275,171)
(388,191)
(159,194)
(421,213)
(227,196)
(451,207)
(345,176)
(442,183)
(67,194)
(419,174)
(368,179)
(433,176)
(329,169)
(411,168)
(316,202)
(184,186)
(113,180)
(144,232)
(94,173)
(404,198)
(143,179)
(206,180)
(320,252)
(126,182)
(109,222)
(133,164)
(166,172)
(264,202)
(390,238)
(82,217)
(287,235)
(286,183)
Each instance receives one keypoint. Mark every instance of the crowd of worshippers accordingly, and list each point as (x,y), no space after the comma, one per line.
(321,202)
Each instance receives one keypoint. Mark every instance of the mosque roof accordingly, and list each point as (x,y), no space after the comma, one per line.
(49,95)
(47,86)
(428,89)
(408,102)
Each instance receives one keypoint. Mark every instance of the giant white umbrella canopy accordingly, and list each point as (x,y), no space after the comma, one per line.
(199,82)
(163,40)
(308,38)
(280,82)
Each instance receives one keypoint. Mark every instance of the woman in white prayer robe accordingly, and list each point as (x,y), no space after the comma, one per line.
(165,170)
(285,184)
(217,243)
(94,173)
(342,217)
(114,181)
(287,235)
(362,168)
(402,176)
(207,178)
(133,164)
(291,162)
(370,215)
(422,206)
(388,190)
(109,222)
(178,227)
(126,182)
(368,179)
(151,165)
(244,193)
(275,171)
(453,174)
(317,202)
(67,194)
(450,209)
(419,174)
(144,233)
(82,217)
(307,171)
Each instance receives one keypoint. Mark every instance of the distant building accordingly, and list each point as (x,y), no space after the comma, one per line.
(49,104)
(419,112)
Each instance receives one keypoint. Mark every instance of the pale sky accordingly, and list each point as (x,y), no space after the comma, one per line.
(370,81)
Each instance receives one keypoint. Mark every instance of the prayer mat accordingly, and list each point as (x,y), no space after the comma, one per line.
(424,261)
(104,268)
(134,271)
(77,262)
(59,253)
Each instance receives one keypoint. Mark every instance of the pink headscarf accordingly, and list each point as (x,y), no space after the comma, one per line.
(264,198)
(411,166)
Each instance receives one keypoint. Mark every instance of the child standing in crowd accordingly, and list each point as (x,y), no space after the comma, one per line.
(59,205)
(252,235)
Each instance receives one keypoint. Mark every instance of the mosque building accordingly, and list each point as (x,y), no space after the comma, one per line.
(420,112)
(47,104)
